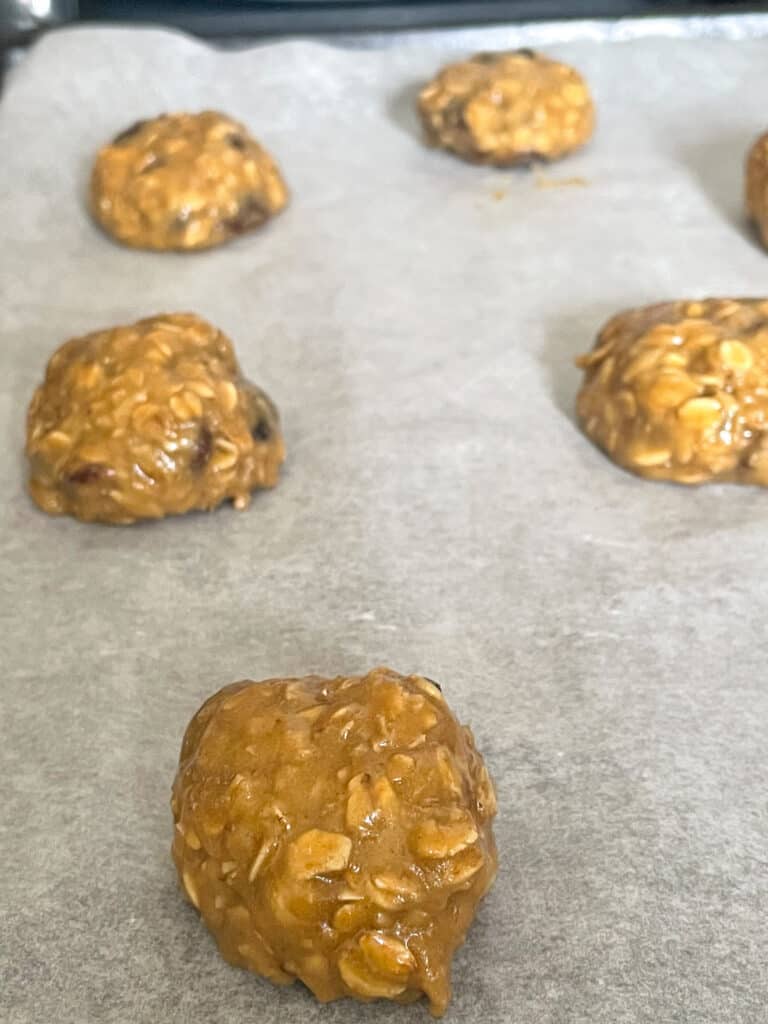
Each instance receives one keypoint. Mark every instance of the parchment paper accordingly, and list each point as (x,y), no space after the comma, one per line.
(415,318)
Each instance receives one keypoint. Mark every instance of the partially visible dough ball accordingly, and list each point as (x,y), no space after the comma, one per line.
(679,391)
(149,420)
(337,831)
(757,186)
(184,181)
(507,108)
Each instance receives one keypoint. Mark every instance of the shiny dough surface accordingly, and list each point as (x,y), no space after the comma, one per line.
(507,108)
(184,181)
(337,831)
(147,420)
(679,391)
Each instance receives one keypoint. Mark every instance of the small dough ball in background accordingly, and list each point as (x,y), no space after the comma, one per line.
(507,108)
(757,186)
(337,831)
(149,420)
(679,391)
(184,181)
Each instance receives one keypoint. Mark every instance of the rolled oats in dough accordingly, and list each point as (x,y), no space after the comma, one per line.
(184,181)
(149,420)
(757,186)
(507,108)
(337,831)
(679,391)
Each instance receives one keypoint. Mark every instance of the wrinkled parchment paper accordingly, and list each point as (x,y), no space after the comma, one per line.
(416,319)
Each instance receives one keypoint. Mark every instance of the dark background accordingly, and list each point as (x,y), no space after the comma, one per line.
(247,17)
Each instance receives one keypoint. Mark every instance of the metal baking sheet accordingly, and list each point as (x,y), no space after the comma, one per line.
(416,319)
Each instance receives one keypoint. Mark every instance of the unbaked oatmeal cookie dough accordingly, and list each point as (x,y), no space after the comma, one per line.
(507,108)
(337,831)
(184,181)
(149,420)
(757,186)
(679,391)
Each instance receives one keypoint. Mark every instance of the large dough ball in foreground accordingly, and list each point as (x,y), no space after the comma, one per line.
(184,181)
(507,108)
(337,831)
(148,420)
(679,391)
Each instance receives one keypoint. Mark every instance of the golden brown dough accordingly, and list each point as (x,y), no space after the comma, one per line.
(757,186)
(679,391)
(184,181)
(337,831)
(507,108)
(149,420)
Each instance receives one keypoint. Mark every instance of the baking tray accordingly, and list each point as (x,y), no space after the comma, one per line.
(416,320)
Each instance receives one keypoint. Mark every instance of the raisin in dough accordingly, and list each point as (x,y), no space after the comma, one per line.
(507,108)
(184,181)
(149,420)
(337,831)
(679,391)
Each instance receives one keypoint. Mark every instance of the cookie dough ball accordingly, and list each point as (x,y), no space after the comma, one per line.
(507,108)
(337,831)
(757,186)
(149,420)
(679,391)
(184,181)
